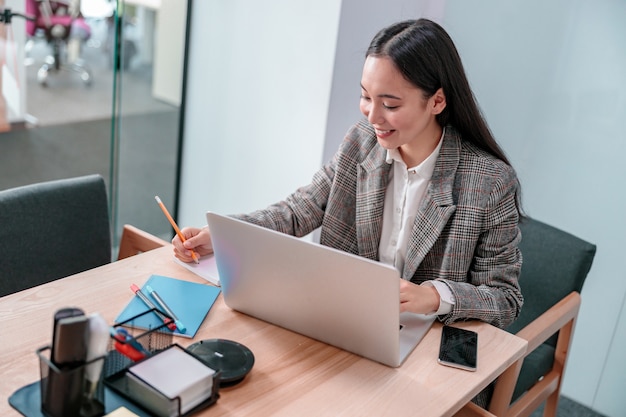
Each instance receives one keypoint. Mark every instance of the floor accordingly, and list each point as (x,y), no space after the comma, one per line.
(569,408)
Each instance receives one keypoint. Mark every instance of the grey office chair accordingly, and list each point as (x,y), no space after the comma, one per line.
(555,266)
(51,230)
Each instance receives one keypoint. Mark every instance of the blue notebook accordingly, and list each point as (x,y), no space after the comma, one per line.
(190,301)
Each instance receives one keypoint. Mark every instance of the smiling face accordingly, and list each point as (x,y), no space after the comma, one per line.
(402,117)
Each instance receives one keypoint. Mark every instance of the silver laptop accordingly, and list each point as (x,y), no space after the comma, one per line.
(335,297)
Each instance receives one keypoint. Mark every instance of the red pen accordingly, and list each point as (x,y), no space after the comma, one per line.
(124,345)
(170,323)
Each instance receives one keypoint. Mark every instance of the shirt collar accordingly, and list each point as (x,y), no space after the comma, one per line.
(426,167)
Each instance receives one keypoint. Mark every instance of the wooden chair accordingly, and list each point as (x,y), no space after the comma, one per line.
(52,229)
(135,241)
(555,265)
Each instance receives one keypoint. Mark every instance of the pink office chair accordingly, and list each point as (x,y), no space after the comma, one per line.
(59,22)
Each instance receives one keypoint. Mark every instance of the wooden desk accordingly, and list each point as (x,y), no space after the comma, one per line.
(292,374)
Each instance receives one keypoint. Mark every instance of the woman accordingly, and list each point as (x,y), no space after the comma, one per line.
(420,184)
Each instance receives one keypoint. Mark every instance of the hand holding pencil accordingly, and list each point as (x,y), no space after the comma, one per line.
(180,235)
(198,239)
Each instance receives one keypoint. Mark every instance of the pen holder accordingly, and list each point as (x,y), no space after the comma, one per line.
(132,341)
(69,392)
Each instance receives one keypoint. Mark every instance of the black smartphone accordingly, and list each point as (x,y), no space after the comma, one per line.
(459,348)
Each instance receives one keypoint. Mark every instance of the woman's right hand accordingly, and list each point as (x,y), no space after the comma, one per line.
(196,239)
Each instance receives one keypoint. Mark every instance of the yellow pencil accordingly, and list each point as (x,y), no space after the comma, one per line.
(175,226)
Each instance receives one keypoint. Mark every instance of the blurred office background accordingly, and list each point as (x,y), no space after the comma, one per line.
(273,85)
(123,122)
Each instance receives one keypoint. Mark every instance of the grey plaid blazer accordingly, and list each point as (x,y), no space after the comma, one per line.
(465,233)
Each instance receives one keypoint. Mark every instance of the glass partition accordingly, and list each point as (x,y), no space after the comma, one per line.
(58,119)
(148,86)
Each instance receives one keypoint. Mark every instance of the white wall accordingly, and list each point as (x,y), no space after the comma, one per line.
(273,88)
(257,95)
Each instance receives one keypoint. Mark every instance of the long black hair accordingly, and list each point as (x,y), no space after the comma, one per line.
(426,56)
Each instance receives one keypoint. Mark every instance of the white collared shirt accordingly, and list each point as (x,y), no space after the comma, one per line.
(405,192)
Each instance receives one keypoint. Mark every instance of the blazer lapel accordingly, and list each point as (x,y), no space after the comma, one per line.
(437,205)
(372,180)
